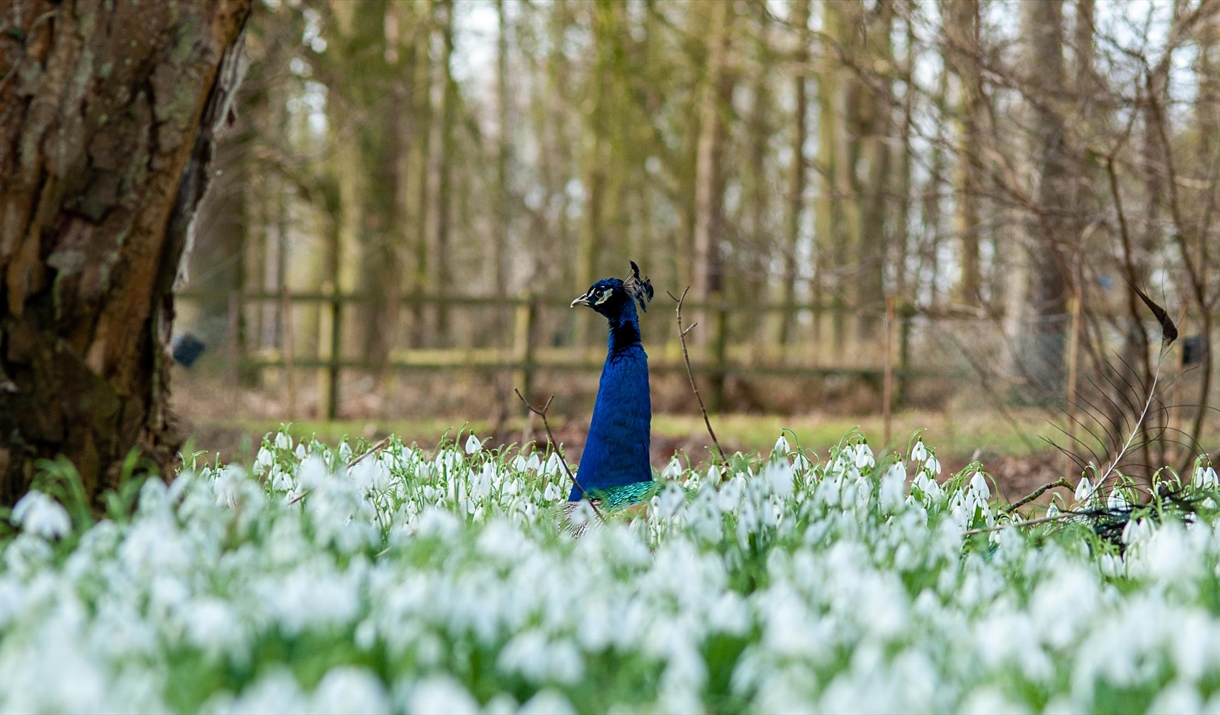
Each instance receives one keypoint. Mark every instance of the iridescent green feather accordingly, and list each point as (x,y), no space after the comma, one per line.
(621,497)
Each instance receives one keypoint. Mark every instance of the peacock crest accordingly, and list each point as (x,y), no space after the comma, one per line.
(638,288)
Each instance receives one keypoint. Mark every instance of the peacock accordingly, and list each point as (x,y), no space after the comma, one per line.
(614,469)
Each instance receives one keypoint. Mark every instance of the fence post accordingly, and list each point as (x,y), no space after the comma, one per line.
(888,390)
(233,337)
(289,349)
(904,351)
(331,383)
(524,318)
(719,355)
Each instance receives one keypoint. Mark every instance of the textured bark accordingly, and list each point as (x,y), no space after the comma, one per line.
(709,173)
(107,123)
(592,236)
(417,179)
(964,52)
(872,126)
(504,216)
(828,221)
(443,156)
(902,223)
(1045,337)
(796,186)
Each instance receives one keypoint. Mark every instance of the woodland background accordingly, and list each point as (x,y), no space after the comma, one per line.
(414,190)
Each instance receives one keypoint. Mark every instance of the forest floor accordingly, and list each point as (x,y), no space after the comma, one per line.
(1012,450)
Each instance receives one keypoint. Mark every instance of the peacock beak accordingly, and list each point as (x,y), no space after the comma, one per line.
(583,300)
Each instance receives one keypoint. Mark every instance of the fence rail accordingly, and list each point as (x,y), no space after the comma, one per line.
(523,356)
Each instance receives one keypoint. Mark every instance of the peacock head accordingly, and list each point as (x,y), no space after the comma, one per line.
(612,297)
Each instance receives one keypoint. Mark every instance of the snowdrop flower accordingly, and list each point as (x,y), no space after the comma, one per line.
(670,500)
(864,457)
(441,695)
(1084,491)
(1136,530)
(283,441)
(351,690)
(893,487)
(547,702)
(39,514)
(713,475)
(1205,478)
(779,475)
(276,691)
(1117,500)
(213,627)
(473,444)
(932,464)
(919,452)
(781,446)
(312,472)
(729,496)
(978,483)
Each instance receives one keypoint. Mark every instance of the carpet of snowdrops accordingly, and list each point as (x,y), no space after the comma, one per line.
(442,580)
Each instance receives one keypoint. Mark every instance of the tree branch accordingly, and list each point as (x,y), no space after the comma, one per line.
(690,372)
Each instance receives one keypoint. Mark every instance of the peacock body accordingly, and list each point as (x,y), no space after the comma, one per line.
(614,470)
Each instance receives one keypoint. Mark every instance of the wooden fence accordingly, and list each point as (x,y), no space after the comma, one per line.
(524,354)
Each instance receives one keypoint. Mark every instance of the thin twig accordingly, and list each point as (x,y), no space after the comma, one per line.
(1000,527)
(690,372)
(375,448)
(558,450)
(1060,482)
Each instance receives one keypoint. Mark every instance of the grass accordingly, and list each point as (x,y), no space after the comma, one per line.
(958,434)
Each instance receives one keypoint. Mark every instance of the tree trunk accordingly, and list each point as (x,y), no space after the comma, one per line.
(709,179)
(902,222)
(443,152)
(418,176)
(595,157)
(387,232)
(827,212)
(929,251)
(1045,334)
(796,188)
(965,54)
(106,133)
(752,253)
(874,129)
(499,250)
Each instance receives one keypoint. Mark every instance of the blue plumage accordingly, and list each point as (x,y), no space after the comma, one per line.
(614,467)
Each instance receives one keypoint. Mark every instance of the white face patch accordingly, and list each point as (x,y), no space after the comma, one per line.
(604,296)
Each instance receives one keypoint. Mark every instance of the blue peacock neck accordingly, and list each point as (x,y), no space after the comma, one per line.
(624,331)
